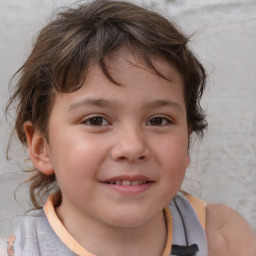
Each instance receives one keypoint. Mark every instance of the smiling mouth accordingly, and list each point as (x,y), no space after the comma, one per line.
(128,182)
(129,185)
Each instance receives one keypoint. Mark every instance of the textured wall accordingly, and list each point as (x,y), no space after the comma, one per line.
(223,167)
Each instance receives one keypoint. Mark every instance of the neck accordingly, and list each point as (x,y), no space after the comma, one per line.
(148,239)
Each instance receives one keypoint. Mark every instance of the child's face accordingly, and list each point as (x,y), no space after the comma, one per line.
(120,152)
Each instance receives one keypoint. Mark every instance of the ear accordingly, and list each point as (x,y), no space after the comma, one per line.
(38,149)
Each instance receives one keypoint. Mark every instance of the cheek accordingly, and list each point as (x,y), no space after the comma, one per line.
(76,157)
(173,158)
(76,168)
(173,151)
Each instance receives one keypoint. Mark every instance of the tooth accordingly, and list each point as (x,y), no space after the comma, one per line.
(144,182)
(135,182)
(118,182)
(126,183)
(112,182)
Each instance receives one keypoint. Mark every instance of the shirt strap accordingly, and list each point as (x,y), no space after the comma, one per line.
(199,207)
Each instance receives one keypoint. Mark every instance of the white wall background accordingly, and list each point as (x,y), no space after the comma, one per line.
(223,167)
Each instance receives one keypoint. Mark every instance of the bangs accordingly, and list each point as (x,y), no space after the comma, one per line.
(86,42)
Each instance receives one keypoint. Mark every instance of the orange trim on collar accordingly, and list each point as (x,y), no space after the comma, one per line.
(74,246)
(198,205)
(168,245)
(61,231)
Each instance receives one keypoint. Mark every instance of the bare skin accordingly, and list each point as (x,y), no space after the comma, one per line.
(228,233)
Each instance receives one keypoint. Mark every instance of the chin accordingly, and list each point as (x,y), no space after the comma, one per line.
(128,219)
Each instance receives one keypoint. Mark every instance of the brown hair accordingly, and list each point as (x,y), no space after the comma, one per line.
(78,37)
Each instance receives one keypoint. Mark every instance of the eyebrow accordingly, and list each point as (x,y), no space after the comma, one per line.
(93,102)
(113,104)
(163,103)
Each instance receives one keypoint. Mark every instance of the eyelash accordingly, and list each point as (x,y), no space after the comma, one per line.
(101,121)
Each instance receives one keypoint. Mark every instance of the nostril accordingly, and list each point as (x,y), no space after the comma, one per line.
(122,158)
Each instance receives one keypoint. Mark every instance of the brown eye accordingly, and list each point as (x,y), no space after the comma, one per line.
(96,121)
(158,121)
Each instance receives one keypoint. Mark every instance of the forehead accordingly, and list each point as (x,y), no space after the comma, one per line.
(131,72)
(123,59)
(134,82)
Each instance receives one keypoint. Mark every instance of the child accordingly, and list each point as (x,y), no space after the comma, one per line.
(106,104)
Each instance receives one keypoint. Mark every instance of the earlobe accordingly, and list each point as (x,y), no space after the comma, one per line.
(38,149)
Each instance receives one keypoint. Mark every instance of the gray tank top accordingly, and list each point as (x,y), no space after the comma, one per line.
(35,236)
(189,237)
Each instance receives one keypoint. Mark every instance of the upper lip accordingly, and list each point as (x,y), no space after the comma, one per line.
(128,178)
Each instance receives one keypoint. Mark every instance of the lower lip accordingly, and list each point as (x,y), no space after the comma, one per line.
(130,190)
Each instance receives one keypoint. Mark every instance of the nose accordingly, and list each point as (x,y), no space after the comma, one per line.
(130,145)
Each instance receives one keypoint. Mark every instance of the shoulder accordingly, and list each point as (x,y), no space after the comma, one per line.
(25,229)
(228,233)
(6,246)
